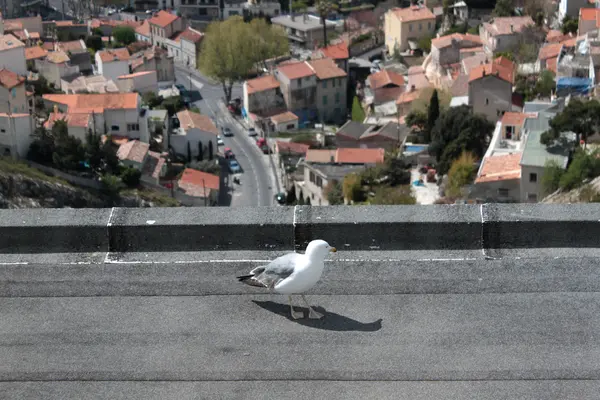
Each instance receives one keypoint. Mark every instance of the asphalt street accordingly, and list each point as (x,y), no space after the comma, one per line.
(401,329)
(257,181)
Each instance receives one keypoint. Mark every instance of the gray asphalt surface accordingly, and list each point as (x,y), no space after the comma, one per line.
(256,187)
(394,329)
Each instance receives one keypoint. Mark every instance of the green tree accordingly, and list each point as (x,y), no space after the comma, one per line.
(334,193)
(151,99)
(580,116)
(396,170)
(433,114)
(545,84)
(417,120)
(569,25)
(209,167)
(506,54)
(42,147)
(553,172)
(324,8)
(172,104)
(111,185)
(131,177)
(352,189)
(93,150)
(358,114)
(109,155)
(584,166)
(94,42)
(458,130)
(124,34)
(269,41)
(504,8)
(68,151)
(461,173)
(385,195)
(424,43)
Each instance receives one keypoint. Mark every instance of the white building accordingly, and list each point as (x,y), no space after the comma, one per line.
(113,63)
(15,134)
(55,67)
(251,7)
(141,82)
(184,46)
(13,95)
(571,8)
(12,54)
(196,132)
(78,125)
(117,114)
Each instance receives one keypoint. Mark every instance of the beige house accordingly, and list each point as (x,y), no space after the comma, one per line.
(262,96)
(113,63)
(15,134)
(12,54)
(196,136)
(154,59)
(141,82)
(403,27)
(78,125)
(198,188)
(163,25)
(304,30)
(298,83)
(133,154)
(502,34)
(13,93)
(332,84)
(285,121)
(490,88)
(56,66)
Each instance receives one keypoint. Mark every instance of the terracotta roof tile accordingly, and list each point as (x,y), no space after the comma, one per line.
(296,70)
(154,164)
(81,120)
(34,35)
(326,68)
(111,55)
(385,77)
(337,51)
(500,67)
(20,34)
(551,64)
(70,46)
(413,13)
(189,34)
(320,156)
(500,168)
(507,25)
(284,117)
(464,40)
(143,29)
(14,25)
(261,84)
(515,118)
(8,42)
(57,57)
(79,103)
(35,52)
(408,97)
(197,183)
(189,119)
(359,156)
(588,14)
(134,150)
(9,79)
(48,46)
(550,50)
(291,147)
(571,42)
(163,19)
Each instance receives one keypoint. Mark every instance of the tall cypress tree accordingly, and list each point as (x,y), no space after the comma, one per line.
(433,112)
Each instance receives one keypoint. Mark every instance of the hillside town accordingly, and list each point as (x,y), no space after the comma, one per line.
(317,103)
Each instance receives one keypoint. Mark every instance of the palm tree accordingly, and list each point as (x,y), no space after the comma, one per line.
(324,7)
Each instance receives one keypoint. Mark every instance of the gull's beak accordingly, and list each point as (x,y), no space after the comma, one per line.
(333,250)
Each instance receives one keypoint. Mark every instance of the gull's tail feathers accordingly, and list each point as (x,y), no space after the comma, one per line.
(250,279)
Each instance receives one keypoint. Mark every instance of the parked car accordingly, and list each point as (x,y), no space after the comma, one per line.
(251,132)
(228,153)
(262,144)
(220,141)
(234,167)
(227,132)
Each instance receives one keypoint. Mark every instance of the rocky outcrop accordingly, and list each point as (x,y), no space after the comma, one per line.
(21,191)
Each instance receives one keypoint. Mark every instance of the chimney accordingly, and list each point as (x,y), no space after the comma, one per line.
(412,88)
(512,28)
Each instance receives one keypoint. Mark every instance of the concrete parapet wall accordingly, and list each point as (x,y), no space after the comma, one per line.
(457,227)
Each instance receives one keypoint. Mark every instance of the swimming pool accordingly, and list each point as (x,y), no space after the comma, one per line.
(414,148)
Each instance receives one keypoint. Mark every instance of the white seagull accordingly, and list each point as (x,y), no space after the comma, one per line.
(292,274)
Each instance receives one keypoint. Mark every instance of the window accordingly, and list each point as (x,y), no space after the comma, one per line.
(532,197)
(333,82)
(487,102)
(324,84)
(324,100)
(533,177)
(114,128)
(502,192)
(133,127)
(337,97)
(420,26)
(290,126)
(311,177)
(14,92)
(2,130)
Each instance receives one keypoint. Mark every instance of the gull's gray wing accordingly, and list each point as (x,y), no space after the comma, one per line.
(276,271)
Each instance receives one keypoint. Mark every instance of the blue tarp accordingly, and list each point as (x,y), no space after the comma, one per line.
(566,85)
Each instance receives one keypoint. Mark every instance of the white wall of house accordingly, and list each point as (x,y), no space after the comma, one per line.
(286,126)
(55,72)
(143,38)
(14,100)
(314,182)
(124,123)
(259,101)
(15,135)
(193,136)
(531,188)
(112,70)
(188,53)
(141,83)
(79,132)
(14,60)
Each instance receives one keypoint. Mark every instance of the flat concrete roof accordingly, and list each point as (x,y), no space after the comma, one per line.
(147,305)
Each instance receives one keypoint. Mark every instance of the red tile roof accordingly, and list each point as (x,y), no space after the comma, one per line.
(189,119)
(551,64)
(336,51)
(326,68)
(464,40)
(501,67)
(163,19)
(549,51)
(261,84)
(197,183)
(189,34)
(385,77)
(134,150)
(413,13)
(291,147)
(154,164)
(35,52)
(296,70)
(507,25)
(9,79)
(408,97)
(78,103)
(143,29)
(70,46)
(359,156)
(514,118)
(588,14)
(136,74)
(57,57)
(75,120)
(284,117)
(111,55)
(500,168)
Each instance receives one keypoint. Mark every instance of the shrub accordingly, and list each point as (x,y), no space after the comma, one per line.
(461,173)
(386,195)
(551,177)
(131,177)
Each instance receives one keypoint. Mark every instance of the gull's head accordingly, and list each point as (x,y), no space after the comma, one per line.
(319,249)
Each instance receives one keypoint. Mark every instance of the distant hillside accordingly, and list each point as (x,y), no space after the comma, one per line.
(584,194)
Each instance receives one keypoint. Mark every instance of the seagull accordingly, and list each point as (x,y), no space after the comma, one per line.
(292,274)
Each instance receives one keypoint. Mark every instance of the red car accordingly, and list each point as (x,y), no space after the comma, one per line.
(228,153)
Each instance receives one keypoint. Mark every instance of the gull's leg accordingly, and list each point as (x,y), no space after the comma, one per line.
(295,314)
(312,314)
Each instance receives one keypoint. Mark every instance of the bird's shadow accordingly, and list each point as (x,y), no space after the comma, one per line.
(331,321)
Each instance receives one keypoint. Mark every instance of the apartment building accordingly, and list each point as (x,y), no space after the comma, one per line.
(13,96)
(403,27)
